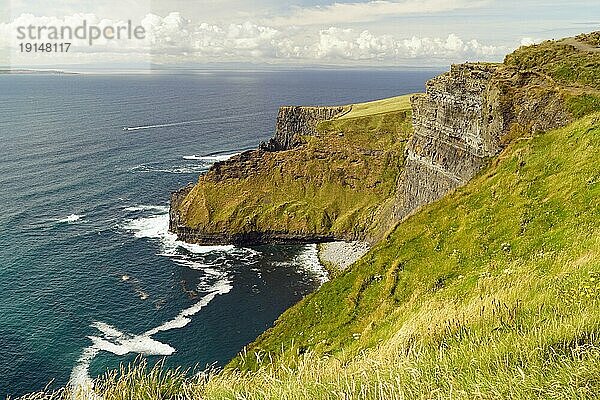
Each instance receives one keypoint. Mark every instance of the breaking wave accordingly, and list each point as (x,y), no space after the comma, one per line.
(112,340)
(215,281)
(70,219)
(308,261)
(211,158)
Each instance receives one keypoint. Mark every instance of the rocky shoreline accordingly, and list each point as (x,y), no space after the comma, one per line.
(338,256)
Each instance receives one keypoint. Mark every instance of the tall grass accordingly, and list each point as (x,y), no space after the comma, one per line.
(490,293)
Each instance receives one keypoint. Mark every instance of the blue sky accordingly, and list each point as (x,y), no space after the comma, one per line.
(380,32)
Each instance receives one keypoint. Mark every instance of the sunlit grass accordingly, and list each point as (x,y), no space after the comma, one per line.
(490,293)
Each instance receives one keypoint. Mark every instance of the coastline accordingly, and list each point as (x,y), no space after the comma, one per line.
(337,257)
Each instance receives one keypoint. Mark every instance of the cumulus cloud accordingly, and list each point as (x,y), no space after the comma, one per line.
(528,41)
(336,43)
(174,38)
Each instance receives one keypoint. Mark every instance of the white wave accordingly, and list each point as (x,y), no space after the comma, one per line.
(119,343)
(182,319)
(215,158)
(70,219)
(178,169)
(157,227)
(214,282)
(308,261)
(80,380)
(147,208)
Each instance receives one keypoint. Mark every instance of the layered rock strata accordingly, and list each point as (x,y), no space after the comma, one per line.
(294,122)
(467,116)
(456,127)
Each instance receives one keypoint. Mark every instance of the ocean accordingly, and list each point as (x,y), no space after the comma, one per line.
(90,278)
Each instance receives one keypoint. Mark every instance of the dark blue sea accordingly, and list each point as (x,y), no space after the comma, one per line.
(89,276)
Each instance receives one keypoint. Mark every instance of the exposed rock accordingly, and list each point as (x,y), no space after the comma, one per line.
(177,197)
(341,255)
(456,127)
(329,187)
(295,122)
(464,119)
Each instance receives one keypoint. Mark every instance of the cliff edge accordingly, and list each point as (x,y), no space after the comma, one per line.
(352,172)
(329,173)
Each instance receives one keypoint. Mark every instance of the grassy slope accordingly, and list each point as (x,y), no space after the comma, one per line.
(333,184)
(493,290)
(491,293)
(378,107)
(559,61)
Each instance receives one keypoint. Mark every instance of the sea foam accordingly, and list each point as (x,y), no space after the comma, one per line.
(109,339)
(308,261)
(70,219)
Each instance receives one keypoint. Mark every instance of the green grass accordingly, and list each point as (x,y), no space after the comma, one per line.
(378,107)
(491,293)
(583,104)
(340,183)
(561,61)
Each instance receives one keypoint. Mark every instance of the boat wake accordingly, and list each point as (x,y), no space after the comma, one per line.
(229,118)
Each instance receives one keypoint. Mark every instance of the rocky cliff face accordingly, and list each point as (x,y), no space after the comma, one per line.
(295,122)
(456,127)
(466,117)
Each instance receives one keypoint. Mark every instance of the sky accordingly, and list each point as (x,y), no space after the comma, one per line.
(355,33)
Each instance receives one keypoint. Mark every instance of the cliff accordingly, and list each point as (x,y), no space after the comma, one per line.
(466,117)
(329,173)
(352,172)
(295,122)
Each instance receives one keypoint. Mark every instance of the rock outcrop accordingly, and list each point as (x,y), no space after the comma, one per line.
(314,182)
(295,122)
(467,116)
(456,127)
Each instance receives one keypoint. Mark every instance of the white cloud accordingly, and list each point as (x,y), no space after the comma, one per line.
(528,41)
(343,13)
(174,38)
(346,44)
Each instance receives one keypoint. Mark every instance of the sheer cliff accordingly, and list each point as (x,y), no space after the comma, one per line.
(328,174)
(352,172)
